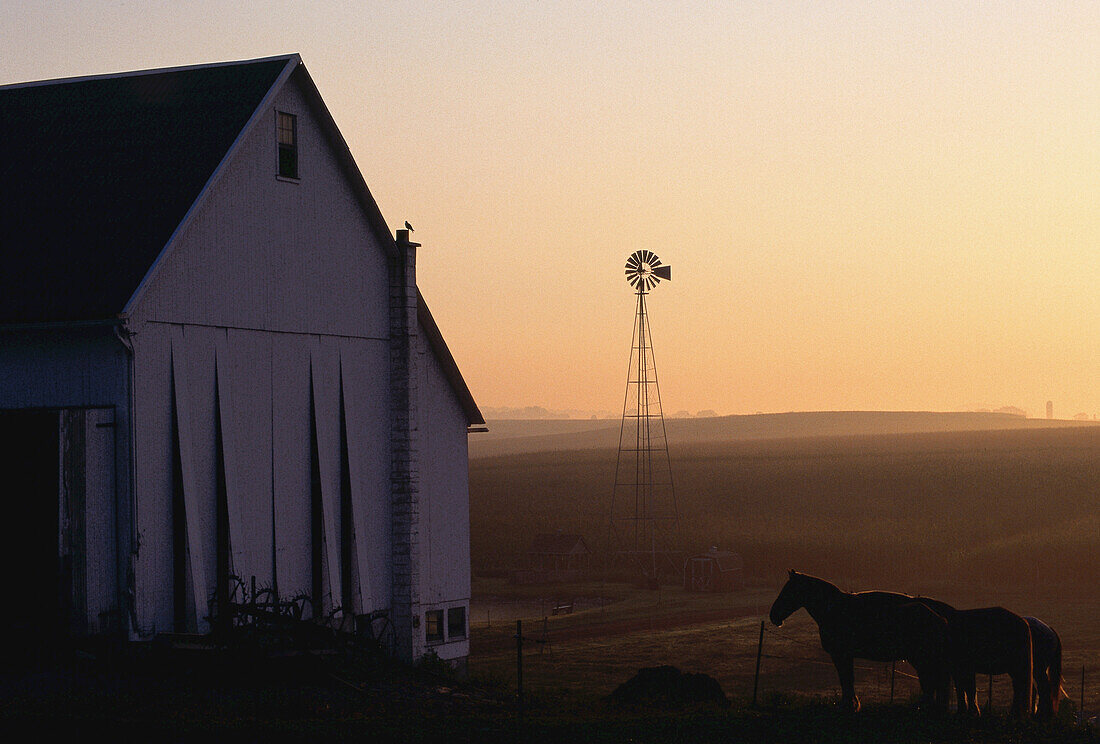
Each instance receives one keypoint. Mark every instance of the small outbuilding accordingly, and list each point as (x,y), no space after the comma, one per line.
(554,558)
(714,571)
(559,552)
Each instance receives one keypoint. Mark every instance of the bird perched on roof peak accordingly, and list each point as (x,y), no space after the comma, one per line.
(408,226)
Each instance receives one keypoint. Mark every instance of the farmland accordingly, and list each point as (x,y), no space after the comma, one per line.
(996,517)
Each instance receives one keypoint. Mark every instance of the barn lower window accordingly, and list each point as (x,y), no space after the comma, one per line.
(456,623)
(433,626)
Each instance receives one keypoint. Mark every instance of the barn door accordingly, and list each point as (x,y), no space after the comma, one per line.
(87,535)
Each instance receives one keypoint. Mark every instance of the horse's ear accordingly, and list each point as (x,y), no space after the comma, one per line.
(790,573)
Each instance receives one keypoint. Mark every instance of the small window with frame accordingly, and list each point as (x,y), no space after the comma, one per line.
(456,623)
(286,129)
(433,626)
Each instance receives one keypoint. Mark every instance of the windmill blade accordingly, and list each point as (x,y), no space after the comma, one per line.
(663,272)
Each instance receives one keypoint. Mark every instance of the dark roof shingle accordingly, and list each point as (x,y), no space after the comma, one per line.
(96,174)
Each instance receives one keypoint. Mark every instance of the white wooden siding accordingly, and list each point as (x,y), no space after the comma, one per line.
(273,254)
(277,293)
(365,370)
(444,498)
(62,368)
(293,507)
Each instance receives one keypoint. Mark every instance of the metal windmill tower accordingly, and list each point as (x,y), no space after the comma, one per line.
(644,524)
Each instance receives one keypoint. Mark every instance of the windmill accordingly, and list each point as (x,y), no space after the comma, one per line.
(644,525)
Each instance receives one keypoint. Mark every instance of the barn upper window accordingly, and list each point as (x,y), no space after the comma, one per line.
(286,126)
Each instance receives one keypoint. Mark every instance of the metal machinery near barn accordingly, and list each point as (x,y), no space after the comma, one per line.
(644,524)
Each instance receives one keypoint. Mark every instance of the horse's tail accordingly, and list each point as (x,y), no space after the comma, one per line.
(1029,666)
(1058,690)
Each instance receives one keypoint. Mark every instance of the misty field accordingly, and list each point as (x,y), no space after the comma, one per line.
(994,510)
(1007,518)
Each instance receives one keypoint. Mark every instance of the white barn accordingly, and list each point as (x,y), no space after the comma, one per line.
(215,365)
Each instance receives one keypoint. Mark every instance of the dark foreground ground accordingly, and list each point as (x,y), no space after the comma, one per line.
(244,699)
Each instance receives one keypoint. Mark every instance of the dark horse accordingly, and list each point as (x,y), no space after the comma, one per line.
(1046,661)
(881,626)
(990,640)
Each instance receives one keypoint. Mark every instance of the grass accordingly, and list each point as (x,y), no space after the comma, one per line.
(568,681)
(977,519)
(591,652)
(915,510)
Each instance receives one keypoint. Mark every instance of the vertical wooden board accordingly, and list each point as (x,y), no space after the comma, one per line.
(365,369)
(193,368)
(290,443)
(444,487)
(325,366)
(100,537)
(244,389)
(152,462)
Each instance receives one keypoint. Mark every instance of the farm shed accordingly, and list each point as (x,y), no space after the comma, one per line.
(714,571)
(554,558)
(215,366)
(559,552)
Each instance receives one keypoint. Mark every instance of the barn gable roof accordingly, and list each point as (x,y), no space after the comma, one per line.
(100,174)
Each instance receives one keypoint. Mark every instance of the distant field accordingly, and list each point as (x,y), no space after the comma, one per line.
(920,510)
(520,436)
(976,518)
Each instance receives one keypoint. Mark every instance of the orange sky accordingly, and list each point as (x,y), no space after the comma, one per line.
(865,205)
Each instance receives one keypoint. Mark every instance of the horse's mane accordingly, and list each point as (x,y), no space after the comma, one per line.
(818,580)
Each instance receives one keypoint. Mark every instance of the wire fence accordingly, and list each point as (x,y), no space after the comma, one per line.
(755,662)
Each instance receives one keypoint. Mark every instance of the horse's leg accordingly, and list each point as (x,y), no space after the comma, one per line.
(1021,694)
(1044,706)
(933,691)
(844,670)
(943,687)
(1022,682)
(966,687)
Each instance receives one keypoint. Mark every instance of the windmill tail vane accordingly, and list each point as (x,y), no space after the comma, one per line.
(644,270)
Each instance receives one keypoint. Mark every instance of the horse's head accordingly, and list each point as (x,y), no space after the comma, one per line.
(790,598)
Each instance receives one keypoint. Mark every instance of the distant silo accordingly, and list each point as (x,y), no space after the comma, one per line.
(1050,409)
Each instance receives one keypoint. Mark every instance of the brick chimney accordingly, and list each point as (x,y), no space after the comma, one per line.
(404,463)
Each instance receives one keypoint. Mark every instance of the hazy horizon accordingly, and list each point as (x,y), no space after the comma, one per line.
(536,412)
(866,206)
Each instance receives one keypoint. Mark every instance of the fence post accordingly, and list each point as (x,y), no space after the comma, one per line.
(519,666)
(1081,710)
(893,671)
(989,699)
(759,652)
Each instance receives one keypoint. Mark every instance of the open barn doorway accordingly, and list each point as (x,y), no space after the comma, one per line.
(58,530)
(30,473)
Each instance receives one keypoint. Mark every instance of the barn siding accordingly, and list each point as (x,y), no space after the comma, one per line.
(62,367)
(275,295)
(290,388)
(444,497)
(365,370)
(271,254)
